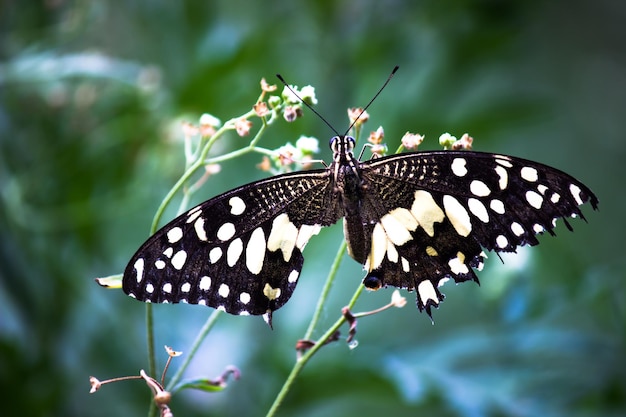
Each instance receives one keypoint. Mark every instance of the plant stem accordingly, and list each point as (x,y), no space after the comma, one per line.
(302,361)
(299,365)
(326,290)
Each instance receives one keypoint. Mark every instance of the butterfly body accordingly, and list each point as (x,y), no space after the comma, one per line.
(412,220)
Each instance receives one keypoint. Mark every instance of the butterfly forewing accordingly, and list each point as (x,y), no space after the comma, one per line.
(429,214)
(241,251)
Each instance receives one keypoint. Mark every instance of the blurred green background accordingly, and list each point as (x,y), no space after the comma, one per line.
(91,98)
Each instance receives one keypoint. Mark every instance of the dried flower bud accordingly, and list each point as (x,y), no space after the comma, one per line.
(189,129)
(171,352)
(357,115)
(208,124)
(261,109)
(242,126)
(464,143)
(291,113)
(377,136)
(412,140)
(265,164)
(379,150)
(397,300)
(95,384)
(267,87)
(212,169)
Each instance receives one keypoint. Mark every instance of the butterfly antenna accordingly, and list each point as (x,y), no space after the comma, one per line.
(282,80)
(373,98)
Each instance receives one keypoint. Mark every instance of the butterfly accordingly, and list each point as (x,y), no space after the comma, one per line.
(413,220)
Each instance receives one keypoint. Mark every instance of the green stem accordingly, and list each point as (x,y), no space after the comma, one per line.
(326,290)
(300,363)
(150,339)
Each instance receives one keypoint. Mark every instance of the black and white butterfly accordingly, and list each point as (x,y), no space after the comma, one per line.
(414,220)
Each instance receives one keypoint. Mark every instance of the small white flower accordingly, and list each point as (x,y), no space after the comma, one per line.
(308,144)
(446,139)
(210,120)
(308,94)
(289,95)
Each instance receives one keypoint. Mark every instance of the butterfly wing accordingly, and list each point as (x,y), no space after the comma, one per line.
(241,251)
(429,214)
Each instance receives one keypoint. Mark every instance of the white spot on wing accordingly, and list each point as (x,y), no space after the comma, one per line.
(575,190)
(244,297)
(185,287)
(458,216)
(174,234)
(478,209)
(149,288)
(226,231)
(426,211)
(406,267)
(534,199)
(503,177)
(427,292)
(159,264)
(529,174)
(167,287)
(139,263)
(497,206)
(237,206)
(502,241)
(283,236)
(205,283)
(179,258)
(293,276)
(457,264)
(395,229)
(458,167)
(378,247)
(215,254)
(168,252)
(555,198)
(305,233)
(255,251)
(234,251)
(198,226)
(193,214)
(223,291)
(504,161)
(517,229)
(479,188)
(392,253)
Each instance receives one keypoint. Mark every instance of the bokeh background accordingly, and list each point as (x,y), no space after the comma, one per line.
(92,94)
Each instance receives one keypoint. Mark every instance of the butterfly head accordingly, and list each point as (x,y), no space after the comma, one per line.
(342,145)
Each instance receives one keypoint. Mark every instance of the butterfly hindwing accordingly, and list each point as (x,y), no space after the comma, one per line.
(240,252)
